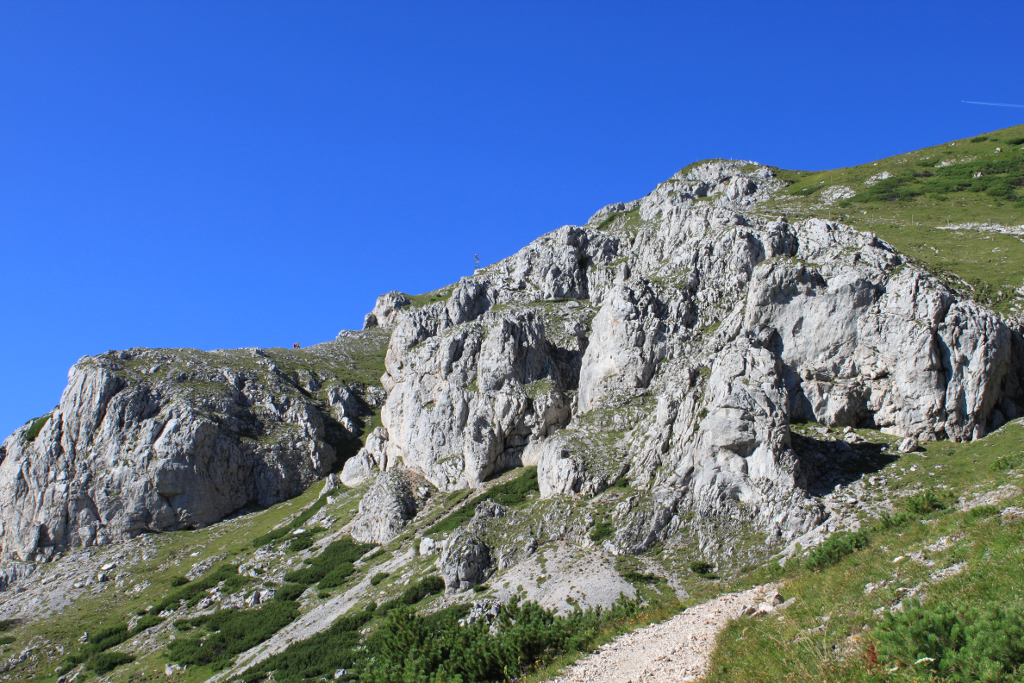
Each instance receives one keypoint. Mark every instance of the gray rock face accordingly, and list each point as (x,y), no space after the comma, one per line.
(155,440)
(385,509)
(464,562)
(672,340)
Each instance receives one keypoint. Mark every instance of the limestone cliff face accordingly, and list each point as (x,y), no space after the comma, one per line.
(672,340)
(155,440)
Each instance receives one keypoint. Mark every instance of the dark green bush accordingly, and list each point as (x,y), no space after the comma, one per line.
(835,548)
(982,511)
(702,568)
(965,642)
(301,542)
(887,521)
(35,428)
(231,632)
(1015,141)
(6,640)
(290,591)
(637,577)
(413,594)
(108,661)
(7,624)
(378,577)
(924,502)
(509,494)
(601,532)
(337,576)
(146,622)
(333,556)
(178,581)
(106,638)
(980,138)
(319,656)
(193,592)
(479,587)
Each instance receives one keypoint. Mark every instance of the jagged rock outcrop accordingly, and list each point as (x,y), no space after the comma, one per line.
(154,440)
(672,340)
(464,562)
(385,509)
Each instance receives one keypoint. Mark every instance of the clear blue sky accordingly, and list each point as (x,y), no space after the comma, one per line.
(228,174)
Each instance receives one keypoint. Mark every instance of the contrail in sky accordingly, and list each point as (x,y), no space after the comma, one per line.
(995,104)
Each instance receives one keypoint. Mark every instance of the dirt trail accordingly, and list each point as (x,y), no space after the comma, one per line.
(670,652)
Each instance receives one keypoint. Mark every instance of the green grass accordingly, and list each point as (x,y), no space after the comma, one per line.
(510,494)
(332,565)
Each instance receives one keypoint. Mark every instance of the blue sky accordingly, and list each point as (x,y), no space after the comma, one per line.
(234,174)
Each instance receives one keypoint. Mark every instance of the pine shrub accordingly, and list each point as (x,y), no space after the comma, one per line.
(924,502)
(509,494)
(959,643)
(108,661)
(835,548)
(338,553)
(378,577)
(601,532)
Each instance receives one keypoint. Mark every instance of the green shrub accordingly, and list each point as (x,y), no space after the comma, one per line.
(378,577)
(7,624)
(338,553)
(413,594)
(509,494)
(924,502)
(982,511)
(178,581)
(6,640)
(1009,462)
(300,542)
(35,428)
(887,521)
(1015,141)
(980,138)
(479,587)
(702,568)
(106,638)
(290,591)
(193,591)
(146,622)
(108,661)
(231,632)
(835,548)
(601,532)
(337,576)
(637,577)
(965,642)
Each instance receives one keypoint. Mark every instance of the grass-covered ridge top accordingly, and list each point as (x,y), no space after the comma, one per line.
(912,200)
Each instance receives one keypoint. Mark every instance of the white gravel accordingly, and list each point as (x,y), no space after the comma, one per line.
(672,651)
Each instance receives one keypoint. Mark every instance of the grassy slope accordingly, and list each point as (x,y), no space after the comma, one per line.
(828,632)
(991,262)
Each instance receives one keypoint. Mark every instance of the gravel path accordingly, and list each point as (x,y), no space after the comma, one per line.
(670,652)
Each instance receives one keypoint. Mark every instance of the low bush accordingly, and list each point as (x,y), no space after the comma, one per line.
(1006,463)
(35,428)
(835,548)
(966,642)
(982,511)
(702,568)
(980,138)
(7,624)
(193,591)
(231,632)
(601,532)
(301,542)
(1015,141)
(413,594)
(378,577)
(924,502)
(338,553)
(337,576)
(108,661)
(290,591)
(509,494)
(887,521)
(146,622)
(637,577)
(6,640)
